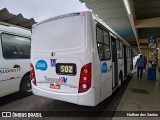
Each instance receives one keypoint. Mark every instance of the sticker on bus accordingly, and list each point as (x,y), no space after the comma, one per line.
(53,62)
(104,67)
(41,65)
(57,80)
(54,86)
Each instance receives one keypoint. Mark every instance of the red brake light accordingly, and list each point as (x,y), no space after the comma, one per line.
(85,78)
(32,74)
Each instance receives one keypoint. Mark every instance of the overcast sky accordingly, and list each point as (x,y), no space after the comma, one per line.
(42,9)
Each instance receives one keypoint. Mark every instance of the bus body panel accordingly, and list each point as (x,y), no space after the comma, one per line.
(10,82)
(76,50)
(106,81)
(102,81)
(68,84)
(12,70)
(80,99)
(96,65)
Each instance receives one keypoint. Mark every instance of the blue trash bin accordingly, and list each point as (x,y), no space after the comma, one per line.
(152,74)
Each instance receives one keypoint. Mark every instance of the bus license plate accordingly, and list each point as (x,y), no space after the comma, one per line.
(54,86)
(66,68)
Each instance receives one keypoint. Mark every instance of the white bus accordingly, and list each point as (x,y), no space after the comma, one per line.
(14,60)
(77,58)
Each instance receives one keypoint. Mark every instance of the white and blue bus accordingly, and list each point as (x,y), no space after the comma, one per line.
(78,59)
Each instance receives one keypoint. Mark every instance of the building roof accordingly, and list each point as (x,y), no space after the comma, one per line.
(18,20)
(135,27)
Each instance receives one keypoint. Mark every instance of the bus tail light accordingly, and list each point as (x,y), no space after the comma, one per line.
(32,74)
(85,78)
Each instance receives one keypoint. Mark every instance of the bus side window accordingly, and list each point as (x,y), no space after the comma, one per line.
(107,46)
(103,44)
(100,45)
(14,47)
(100,50)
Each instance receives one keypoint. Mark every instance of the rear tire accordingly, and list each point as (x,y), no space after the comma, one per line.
(25,86)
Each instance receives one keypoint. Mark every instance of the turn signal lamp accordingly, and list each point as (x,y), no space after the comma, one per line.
(85,70)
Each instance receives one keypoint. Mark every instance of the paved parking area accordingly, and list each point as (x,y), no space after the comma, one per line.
(40,104)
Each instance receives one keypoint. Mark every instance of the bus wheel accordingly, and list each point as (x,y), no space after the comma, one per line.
(25,86)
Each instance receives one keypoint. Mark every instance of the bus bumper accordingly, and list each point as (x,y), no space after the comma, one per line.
(86,99)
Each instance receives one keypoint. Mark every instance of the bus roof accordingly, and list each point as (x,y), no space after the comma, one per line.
(15,30)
